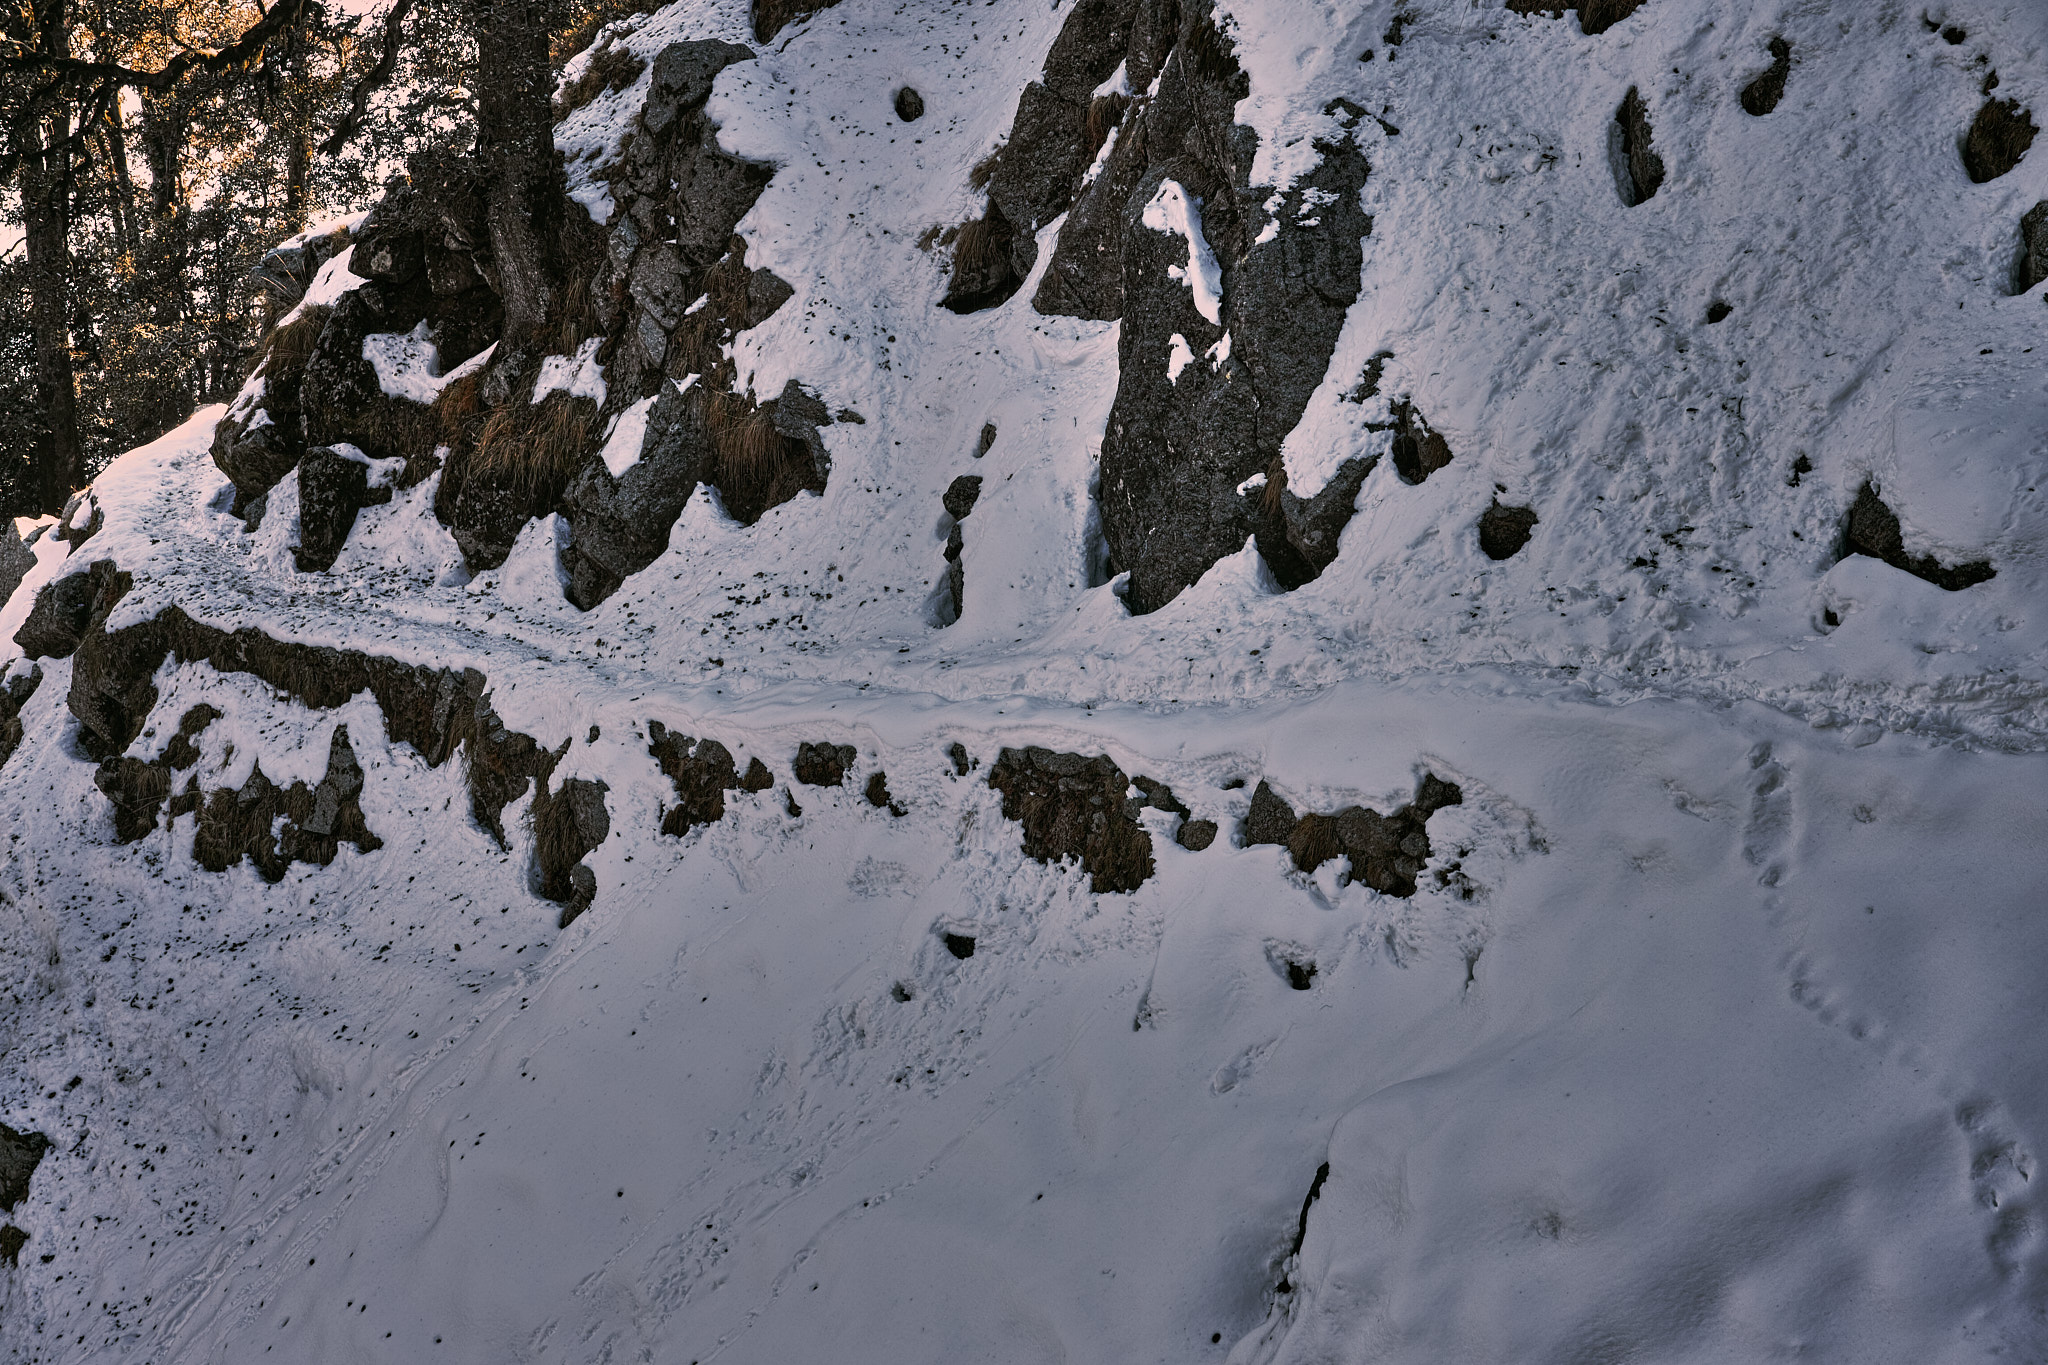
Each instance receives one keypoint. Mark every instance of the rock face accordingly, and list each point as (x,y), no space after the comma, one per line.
(1639,171)
(1761,95)
(20,1154)
(1260,320)
(234,825)
(2032,266)
(14,695)
(1075,807)
(1033,177)
(67,607)
(333,487)
(1999,136)
(567,824)
(1873,529)
(1503,531)
(823,765)
(701,777)
(16,559)
(1386,852)
(958,500)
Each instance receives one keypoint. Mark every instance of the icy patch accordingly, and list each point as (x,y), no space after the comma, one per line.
(580,376)
(1179,358)
(628,434)
(408,364)
(1173,210)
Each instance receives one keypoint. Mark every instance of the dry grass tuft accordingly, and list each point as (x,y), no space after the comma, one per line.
(975,248)
(282,355)
(984,170)
(1276,484)
(1104,113)
(610,69)
(532,447)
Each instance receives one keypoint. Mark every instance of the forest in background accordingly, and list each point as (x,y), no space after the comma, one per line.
(151,152)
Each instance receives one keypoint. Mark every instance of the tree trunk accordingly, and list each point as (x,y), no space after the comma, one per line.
(297,162)
(124,187)
(57,465)
(523,172)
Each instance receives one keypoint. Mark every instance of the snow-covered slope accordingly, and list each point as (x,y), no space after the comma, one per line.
(1710,1030)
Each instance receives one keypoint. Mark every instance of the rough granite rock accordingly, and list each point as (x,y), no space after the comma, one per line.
(1075,807)
(2032,266)
(1873,529)
(568,823)
(823,765)
(1505,530)
(333,488)
(16,559)
(701,777)
(65,610)
(1639,170)
(1386,852)
(20,1154)
(14,694)
(1761,95)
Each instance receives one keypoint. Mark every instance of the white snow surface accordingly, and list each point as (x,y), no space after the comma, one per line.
(628,434)
(579,376)
(1172,209)
(1712,1033)
(407,364)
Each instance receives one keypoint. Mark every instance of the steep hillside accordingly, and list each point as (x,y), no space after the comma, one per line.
(1140,682)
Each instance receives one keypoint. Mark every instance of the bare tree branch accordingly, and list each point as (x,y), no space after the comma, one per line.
(275,21)
(372,81)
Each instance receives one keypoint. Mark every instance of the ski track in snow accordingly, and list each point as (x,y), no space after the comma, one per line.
(1710,1034)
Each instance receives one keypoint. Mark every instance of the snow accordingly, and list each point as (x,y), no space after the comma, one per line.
(579,376)
(1179,356)
(1711,1034)
(332,281)
(407,364)
(1172,210)
(629,432)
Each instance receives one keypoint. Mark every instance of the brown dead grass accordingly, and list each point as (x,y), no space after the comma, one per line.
(984,170)
(532,447)
(282,355)
(1104,113)
(610,69)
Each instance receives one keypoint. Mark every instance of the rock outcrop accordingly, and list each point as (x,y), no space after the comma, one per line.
(1386,852)
(1075,807)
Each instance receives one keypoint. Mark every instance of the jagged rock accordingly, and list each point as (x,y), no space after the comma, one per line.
(340,398)
(683,77)
(2028,271)
(1873,529)
(1038,169)
(958,500)
(65,607)
(13,696)
(956,754)
(1178,448)
(12,1240)
(961,495)
(436,711)
(1505,530)
(1271,820)
(959,945)
(333,487)
(1418,451)
(1761,95)
(273,827)
(1595,16)
(1639,170)
(1075,807)
(909,105)
(20,1154)
(284,273)
(1305,542)
(701,777)
(823,765)
(567,824)
(877,793)
(70,529)
(1386,852)
(16,559)
(1196,835)
(1999,136)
